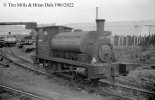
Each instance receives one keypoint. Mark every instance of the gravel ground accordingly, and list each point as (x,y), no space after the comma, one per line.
(140,78)
(23,54)
(51,89)
(10,95)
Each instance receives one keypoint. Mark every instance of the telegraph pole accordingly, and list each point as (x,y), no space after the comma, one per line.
(150,27)
(150,30)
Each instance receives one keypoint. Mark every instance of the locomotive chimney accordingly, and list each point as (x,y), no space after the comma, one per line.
(100,27)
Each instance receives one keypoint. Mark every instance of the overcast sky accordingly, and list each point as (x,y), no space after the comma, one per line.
(82,11)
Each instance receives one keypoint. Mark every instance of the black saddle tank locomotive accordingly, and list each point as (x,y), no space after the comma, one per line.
(80,54)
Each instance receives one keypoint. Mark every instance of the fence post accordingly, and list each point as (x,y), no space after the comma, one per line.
(112,40)
(127,39)
(122,40)
(134,39)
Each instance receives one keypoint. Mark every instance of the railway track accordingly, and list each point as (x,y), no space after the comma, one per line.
(11,55)
(18,56)
(28,94)
(20,61)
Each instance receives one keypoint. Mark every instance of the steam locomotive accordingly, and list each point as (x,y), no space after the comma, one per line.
(80,55)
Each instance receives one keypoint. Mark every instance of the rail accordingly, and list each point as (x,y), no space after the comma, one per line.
(22,92)
(93,89)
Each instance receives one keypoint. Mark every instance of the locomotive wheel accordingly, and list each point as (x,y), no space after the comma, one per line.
(94,82)
(1,58)
(77,78)
(54,67)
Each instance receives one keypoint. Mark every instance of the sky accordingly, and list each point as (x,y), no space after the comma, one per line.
(77,11)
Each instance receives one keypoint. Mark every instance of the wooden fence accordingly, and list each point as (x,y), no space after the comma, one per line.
(132,40)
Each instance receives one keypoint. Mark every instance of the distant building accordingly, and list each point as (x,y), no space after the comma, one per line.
(14,29)
(120,27)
